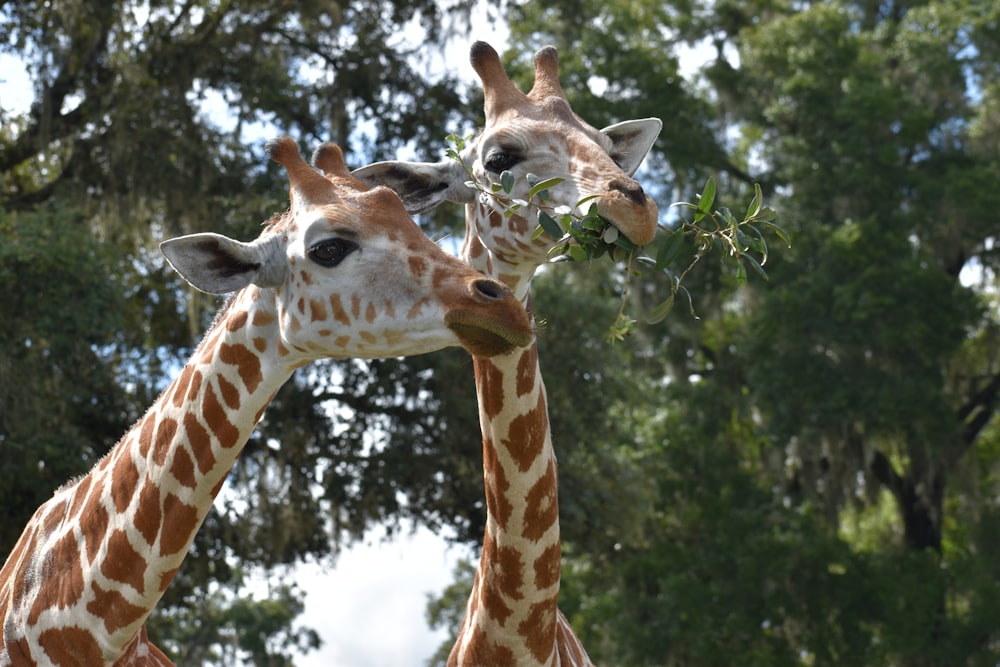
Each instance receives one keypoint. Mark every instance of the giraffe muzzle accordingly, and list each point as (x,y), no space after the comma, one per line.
(627,206)
(497,326)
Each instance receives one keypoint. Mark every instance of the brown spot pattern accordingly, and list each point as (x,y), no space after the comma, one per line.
(418,265)
(54,516)
(503,577)
(230,394)
(526,435)
(70,646)
(218,421)
(124,482)
(482,651)
(542,508)
(246,362)
(181,386)
(339,313)
(237,321)
(62,565)
(497,485)
(146,434)
(490,386)
(123,563)
(166,578)
(440,277)
(539,629)
(99,519)
(547,567)
(527,370)
(112,606)
(79,496)
(166,437)
(416,308)
(147,514)
(195,389)
(261,319)
(201,443)
(182,468)
(318,310)
(179,522)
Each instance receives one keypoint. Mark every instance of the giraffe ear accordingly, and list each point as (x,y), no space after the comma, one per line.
(218,264)
(421,185)
(632,139)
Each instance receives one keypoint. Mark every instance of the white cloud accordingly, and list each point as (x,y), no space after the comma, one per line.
(369,609)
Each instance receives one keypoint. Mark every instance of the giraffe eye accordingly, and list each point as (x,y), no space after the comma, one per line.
(331,252)
(499,161)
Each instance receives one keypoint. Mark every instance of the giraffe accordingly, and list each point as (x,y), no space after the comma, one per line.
(512,614)
(344,272)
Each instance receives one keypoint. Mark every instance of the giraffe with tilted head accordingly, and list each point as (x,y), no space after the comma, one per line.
(512,615)
(345,272)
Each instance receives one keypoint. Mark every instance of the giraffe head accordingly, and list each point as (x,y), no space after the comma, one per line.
(351,274)
(534,133)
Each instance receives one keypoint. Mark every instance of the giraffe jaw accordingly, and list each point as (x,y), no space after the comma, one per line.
(487,336)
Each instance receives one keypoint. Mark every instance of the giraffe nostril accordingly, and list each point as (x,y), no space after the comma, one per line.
(630,188)
(490,289)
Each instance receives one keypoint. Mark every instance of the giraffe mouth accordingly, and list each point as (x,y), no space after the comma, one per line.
(487,336)
(634,216)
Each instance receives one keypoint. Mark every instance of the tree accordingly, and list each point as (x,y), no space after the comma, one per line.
(840,421)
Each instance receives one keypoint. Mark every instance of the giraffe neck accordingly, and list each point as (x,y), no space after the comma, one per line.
(512,612)
(96,558)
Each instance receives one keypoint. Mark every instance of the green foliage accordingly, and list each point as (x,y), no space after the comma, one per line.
(236,627)
(60,406)
(589,237)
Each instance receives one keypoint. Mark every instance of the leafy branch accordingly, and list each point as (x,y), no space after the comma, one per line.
(589,237)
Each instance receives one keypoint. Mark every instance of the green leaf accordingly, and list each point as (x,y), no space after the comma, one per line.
(457,140)
(544,185)
(741,274)
(766,214)
(660,313)
(551,227)
(669,250)
(706,200)
(577,253)
(782,234)
(755,265)
(758,200)
(507,181)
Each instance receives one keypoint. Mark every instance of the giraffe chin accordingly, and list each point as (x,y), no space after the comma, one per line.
(487,337)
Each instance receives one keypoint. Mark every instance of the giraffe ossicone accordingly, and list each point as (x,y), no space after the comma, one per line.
(345,272)
(512,615)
